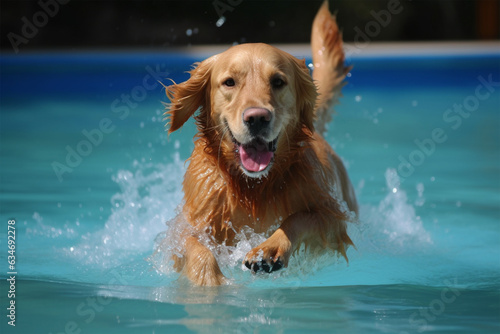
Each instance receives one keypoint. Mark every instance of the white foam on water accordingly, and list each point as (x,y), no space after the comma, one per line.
(148,197)
(151,195)
(393,226)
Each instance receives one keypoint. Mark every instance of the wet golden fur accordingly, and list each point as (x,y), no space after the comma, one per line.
(219,197)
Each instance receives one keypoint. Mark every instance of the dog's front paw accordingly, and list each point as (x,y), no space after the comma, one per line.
(271,255)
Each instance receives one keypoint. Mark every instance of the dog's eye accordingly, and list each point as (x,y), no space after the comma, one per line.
(277,82)
(229,82)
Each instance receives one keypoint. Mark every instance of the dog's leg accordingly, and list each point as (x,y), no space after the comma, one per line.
(274,253)
(200,265)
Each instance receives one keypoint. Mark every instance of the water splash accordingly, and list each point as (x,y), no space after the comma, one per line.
(42,229)
(148,197)
(151,195)
(393,224)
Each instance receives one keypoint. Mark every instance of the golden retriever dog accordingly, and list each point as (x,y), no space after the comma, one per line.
(259,156)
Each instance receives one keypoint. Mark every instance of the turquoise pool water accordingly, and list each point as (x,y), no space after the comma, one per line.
(91,178)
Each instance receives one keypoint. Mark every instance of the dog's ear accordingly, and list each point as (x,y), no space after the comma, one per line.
(306,93)
(186,97)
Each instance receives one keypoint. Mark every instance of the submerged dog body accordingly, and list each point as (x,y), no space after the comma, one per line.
(258,160)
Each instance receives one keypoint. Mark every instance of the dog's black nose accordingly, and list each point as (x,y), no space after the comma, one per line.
(257,120)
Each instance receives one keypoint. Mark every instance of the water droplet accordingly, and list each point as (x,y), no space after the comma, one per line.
(220,21)
(420,189)
(357,98)
(420,192)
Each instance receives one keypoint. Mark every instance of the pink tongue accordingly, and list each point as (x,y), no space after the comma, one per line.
(255,159)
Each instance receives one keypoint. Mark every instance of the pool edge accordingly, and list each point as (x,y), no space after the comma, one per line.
(356,50)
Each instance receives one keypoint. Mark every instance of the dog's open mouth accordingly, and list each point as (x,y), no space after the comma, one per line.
(256,155)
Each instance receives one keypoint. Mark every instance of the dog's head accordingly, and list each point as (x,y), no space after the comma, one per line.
(254,99)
